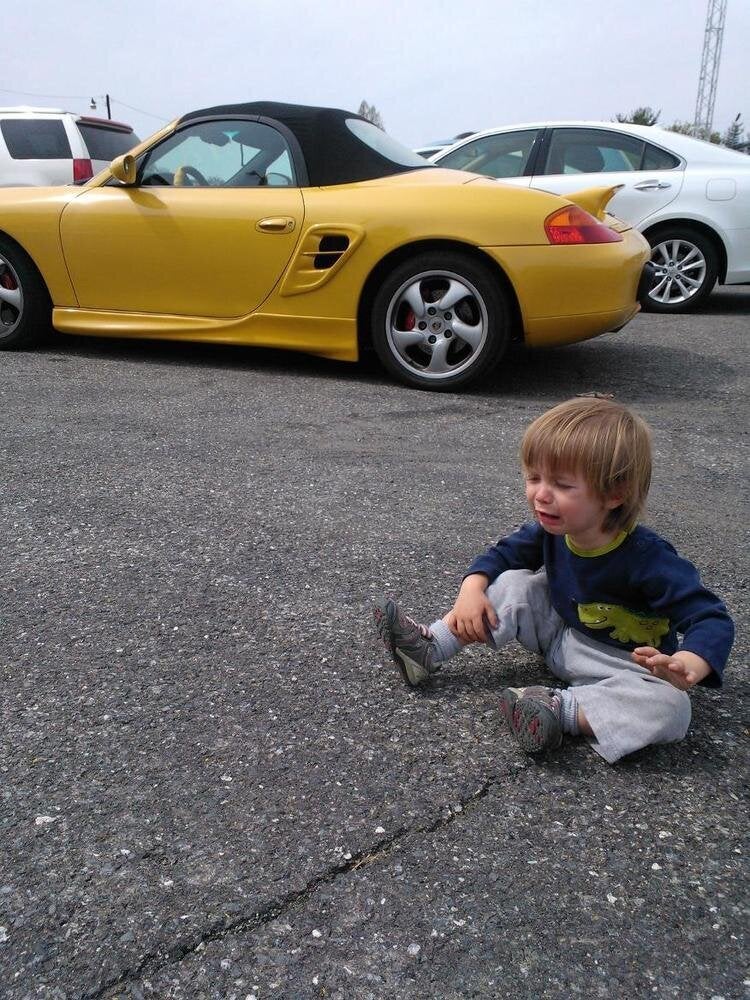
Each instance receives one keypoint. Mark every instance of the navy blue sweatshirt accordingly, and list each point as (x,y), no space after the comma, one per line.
(636,591)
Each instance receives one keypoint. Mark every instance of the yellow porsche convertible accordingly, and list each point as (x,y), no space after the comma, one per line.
(311,229)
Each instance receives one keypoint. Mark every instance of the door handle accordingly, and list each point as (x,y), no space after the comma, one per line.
(652,185)
(276,224)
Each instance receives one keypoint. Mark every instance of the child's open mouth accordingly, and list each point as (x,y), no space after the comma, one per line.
(547,518)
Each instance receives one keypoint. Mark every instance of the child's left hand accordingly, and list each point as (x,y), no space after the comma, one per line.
(683,669)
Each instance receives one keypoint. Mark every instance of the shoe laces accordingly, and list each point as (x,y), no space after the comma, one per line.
(423,630)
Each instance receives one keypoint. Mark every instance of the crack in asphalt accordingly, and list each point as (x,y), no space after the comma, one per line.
(380,849)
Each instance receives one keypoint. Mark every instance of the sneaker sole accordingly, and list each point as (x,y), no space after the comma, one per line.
(508,699)
(413,674)
(535,727)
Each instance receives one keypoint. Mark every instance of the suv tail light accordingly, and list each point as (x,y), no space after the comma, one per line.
(82,171)
(572,225)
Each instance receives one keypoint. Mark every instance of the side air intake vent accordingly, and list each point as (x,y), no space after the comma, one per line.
(330,250)
(323,251)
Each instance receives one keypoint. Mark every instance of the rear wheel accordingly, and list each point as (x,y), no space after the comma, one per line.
(440,320)
(686,267)
(25,307)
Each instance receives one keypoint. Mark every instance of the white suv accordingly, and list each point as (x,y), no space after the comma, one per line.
(49,146)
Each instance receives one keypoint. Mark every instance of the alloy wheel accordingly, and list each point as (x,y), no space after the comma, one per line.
(436,324)
(11,298)
(680,271)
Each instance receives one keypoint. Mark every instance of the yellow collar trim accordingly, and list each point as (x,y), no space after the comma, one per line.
(601,551)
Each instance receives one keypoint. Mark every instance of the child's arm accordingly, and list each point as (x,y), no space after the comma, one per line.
(672,586)
(469,616)
(683,669)
(472,614)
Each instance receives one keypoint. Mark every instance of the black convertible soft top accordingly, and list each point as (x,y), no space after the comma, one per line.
(332,152)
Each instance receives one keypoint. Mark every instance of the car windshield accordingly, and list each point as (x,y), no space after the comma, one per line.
(389,148)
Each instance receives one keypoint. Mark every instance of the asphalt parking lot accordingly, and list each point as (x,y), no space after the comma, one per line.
(215,786)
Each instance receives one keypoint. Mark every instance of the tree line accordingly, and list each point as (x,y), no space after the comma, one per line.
(733,137)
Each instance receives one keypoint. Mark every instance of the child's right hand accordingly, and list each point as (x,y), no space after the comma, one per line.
(472,612)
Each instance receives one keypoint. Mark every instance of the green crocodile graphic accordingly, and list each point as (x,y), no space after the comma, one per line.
(627,626)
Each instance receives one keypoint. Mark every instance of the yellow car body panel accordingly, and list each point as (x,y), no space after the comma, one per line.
(183,250)
(31,217)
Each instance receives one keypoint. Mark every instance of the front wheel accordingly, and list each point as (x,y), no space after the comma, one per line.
(440,320)
(685,270)
(25,307)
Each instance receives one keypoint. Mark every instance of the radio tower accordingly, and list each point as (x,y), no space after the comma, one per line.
(704,106)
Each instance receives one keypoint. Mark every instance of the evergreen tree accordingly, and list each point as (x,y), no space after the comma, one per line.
(733,135)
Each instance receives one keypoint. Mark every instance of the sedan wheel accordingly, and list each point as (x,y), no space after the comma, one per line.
(25,308)
(685,270)
(440,321)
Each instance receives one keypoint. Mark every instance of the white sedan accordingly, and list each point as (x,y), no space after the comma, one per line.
(690,199)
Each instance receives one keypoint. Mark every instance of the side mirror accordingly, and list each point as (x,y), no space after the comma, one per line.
(123,169)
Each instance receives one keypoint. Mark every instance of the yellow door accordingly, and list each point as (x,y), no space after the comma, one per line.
(194,251)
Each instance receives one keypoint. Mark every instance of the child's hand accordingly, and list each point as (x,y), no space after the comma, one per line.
(472,613)
(683,669)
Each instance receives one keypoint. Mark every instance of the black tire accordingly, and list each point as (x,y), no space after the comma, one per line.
(681,256)
(431,347)
(25,306)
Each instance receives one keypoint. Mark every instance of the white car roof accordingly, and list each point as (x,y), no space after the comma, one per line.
(25,109)
(691,149)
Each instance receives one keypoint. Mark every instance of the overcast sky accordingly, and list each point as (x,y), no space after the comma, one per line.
(431,67)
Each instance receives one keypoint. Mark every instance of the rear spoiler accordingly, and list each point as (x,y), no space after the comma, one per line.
(594,200)
(104,123)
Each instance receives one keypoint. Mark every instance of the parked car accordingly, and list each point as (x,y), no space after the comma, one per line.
(689,198)
(311,229)
(439,145)
(50,146)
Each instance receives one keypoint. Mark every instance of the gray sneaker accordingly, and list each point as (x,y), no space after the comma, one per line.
(533,716)
(410,644)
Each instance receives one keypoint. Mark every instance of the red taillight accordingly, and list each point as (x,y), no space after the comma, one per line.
(572,225)
(82,171)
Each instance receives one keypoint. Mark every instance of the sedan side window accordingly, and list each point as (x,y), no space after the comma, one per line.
(592,151)
(659,159)
(228,154)
(501,155)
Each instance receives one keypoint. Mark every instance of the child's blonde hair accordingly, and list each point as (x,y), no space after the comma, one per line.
(605,443)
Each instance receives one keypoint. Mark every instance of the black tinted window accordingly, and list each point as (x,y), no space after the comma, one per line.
(593,151)
(36,139)
(106,143)
(659,159)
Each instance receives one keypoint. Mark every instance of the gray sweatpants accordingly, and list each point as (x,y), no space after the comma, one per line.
(625,705)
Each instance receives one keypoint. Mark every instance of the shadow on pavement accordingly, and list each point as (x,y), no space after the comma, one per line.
(606,364)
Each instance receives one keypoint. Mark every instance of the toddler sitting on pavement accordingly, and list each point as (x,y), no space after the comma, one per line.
(601,597)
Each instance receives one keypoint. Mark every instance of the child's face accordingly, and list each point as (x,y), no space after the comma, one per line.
(564,504)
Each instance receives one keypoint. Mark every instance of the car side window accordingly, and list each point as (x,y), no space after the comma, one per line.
(592,151)
(659,159)
(227,154)
(503,155)
(36,139)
